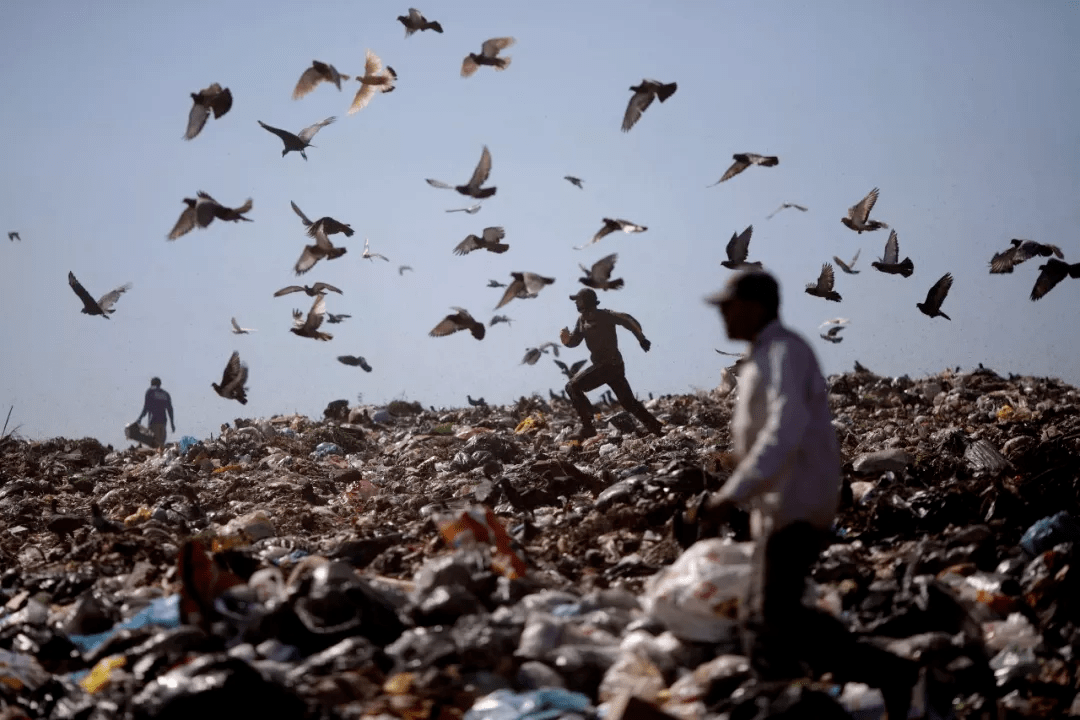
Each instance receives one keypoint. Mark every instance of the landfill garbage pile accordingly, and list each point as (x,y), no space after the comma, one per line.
(478,563)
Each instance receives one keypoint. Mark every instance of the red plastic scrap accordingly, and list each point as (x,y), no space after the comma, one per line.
(478,524)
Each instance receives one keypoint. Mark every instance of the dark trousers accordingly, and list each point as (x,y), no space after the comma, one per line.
(614,376)
(786,639)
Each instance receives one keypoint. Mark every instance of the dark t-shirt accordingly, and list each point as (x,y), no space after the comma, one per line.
(157,403)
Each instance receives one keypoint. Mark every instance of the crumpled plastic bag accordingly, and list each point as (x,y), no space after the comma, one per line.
(697,597)
(543,704)
(479,525)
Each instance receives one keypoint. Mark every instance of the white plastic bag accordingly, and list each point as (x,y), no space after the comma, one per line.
(698,596)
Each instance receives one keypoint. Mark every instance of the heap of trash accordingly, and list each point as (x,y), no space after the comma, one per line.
(479,563)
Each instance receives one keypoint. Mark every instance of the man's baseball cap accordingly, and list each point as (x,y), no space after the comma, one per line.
(756,285)
(585,293)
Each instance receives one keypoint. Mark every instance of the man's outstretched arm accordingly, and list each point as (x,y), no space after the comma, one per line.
(572,339)
(628,322)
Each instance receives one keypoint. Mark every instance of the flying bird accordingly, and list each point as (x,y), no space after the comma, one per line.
(890,261)
(823,288)
(237,330)
(1021,250)
(212,98)
(326,224)
(833,335)
(401,269)
(460,320)
(611,226)
(499,319)
(13,236)
(571,371)
(849,269)
(322,248)
(932,306)
(416,21)
(858,215)
(533,354)
(479,177)
(489,55)
(785,206)
(642,99)
(738,247)
(233,380)
(368,255)
(298,142)
(575,181)
(525,285)
(495,284)
(479,402)
(1053,272)
(317,73)
(745,160)
(598,276)
(309,326)
(488,240)
(202,210)
(102,306)
(318,288)
(834,321)
(374,79)
(472,209)
(335,319)
(354,361)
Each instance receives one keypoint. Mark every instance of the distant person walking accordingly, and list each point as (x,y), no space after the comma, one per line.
(597,328)
(157,404)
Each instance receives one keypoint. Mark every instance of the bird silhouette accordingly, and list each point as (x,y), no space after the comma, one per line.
(335,319)
(823,288)
(368,255)
(474,187)
(496,319)
(598,276)
(101,523)
(202,210)
(318,72)
(571,371)
(460,320)
(525,285)
(415,21)
(213,98)
(534,354)
(480,402)
(785,206)
(745,160)
(102,306)
(375,79)
(489,55)
(354,361)
(322,248)
(738,248)
(890,261)
(849,269)
(936,295)
(833,334)
(237,330)
(472,209)
(488,240)
(834,321)
(575,181)
(1021,250)
(309,326)
(233,380)
(298,143)
(644,93)
(858,215)
(610,226)
(13,236)
(328,225)
(402,268)
(495,284)
(1053,272)
(318,288)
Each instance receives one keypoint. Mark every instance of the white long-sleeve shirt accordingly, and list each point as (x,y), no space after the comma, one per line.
(789,457)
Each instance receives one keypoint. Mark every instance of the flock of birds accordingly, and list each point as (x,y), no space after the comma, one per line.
(200,212)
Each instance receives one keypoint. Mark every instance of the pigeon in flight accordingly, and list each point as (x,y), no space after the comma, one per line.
(13,236)
(233,380)
(499,319)
(317,73)
(1053,272)
(571,371)
(460,320)
(495,284)
(472,209)
(415,21)
(785,206)
(202,211)
(575,181)
(611,226)
(354,361)
(212,98)
(102,306)
(833,335)
(335,319)
(849,269)
(368,255)
(533,354)
(489,241)
(932,306)
(823,288)
(480,402)
(489,55)
(299,142)
(525,285)
(237,330)
(318,288)
(309,326)
(834,321)
(738,248)
(890,262)
(322,248)
(642,99)
(479,177)
(402,268)
(598,276)
(858,215)
(745,160)
(1021,250)
(374,79)
(326,224)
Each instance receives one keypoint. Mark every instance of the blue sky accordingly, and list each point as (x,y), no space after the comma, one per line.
(963,114)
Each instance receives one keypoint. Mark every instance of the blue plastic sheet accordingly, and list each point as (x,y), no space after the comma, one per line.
(327,448)
(186,442)
(162,611)
(543,704)
(1050,531)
